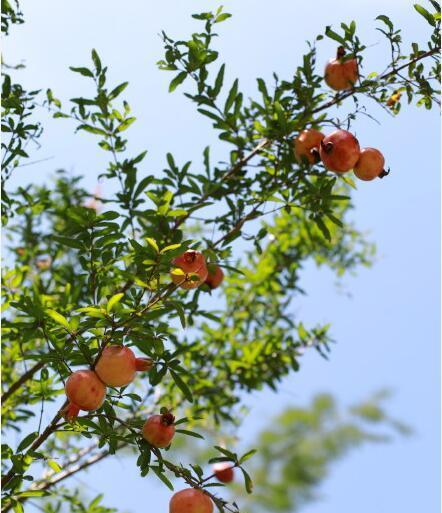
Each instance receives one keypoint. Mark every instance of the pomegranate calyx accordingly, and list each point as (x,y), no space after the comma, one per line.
(384,173)
(167,418)
(327,147)
(340,52)
(70,412)
(315,154)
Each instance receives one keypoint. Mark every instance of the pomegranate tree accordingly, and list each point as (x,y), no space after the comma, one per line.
(159,430)
(85,391)
(190,500)
(370,164)
(118,365)
(342,72)
(339,151)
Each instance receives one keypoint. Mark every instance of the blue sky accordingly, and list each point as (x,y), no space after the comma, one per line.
(385,319)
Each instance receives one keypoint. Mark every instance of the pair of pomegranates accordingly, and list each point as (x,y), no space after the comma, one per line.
(191,271)
(339,152)
(86,389)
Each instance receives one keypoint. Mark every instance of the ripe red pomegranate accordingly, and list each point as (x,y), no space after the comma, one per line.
(117,366)
(190,261)
(223,471)
(370,164)
(339,151)
(340,73)
(306,145)
(189,280)
(190,500)
(215,278)
(84,391)
(192,270)
(159,430)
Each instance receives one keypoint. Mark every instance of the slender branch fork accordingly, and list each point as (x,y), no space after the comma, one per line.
(52,427)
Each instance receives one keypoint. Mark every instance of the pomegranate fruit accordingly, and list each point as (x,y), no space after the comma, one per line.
(223,471)
(370,164)
(339,151)
(189,280)
(118,364)
(306,145)
(159,430)
(190,500)
(215,278)
(340,73)
(190,261)
(192,269)
(84,391)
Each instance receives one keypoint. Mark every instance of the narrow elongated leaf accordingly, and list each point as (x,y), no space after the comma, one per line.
(113,301)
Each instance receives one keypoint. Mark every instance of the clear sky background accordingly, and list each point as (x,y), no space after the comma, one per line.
(385,319)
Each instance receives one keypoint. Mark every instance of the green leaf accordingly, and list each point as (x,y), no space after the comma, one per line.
(118,90)
(17,507)
(125,124)
(54,466)
(322,226)
(179,79)
(170,248)
(332,35)
(96,60)
(231,97)
(386,20)
(247,455)
(83,71)
(27,441)
(222,17)
(68,241)
(92,312)
(113,301)
(189,433)
(153,244)
(247,481)
(427,15)
(218,81)
(182,386)
(34,493)
(58,318)
(163,477)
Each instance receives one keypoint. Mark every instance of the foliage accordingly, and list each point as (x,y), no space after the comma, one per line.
(83,272)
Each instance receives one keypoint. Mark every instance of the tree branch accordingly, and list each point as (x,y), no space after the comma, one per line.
(27,375)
